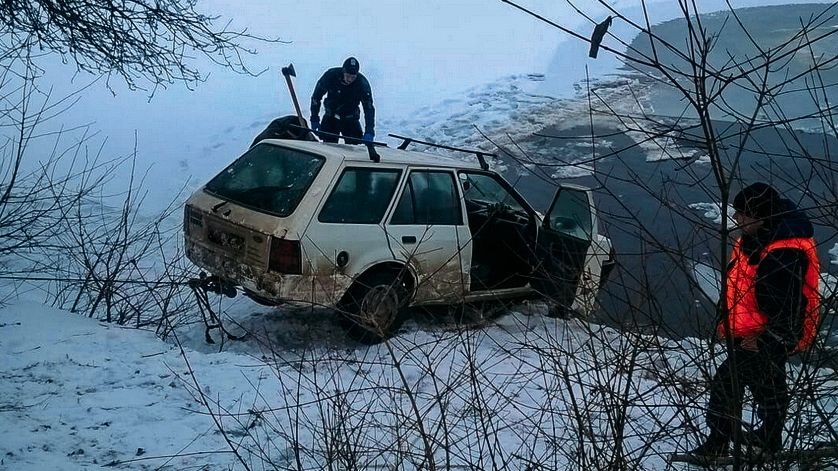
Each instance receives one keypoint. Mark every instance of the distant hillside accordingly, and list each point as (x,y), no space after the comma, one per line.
(768,27)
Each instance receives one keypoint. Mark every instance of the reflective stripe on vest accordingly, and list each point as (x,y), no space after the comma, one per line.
(744,318)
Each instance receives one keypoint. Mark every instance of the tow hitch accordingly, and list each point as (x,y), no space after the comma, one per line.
(201,287)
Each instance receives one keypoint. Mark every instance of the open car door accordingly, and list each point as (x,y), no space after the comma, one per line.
(566,242)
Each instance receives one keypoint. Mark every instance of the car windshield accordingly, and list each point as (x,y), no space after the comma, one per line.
(267,178)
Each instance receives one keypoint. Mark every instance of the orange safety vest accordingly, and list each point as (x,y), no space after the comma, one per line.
(744,318)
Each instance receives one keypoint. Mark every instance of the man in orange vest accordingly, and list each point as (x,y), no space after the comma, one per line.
(771,311)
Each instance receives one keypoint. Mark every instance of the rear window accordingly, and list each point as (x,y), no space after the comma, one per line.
(267,178)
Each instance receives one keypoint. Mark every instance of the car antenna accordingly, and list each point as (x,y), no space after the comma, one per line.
(481,156)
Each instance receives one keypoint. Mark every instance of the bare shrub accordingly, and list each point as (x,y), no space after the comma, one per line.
(62,232)
(144,43)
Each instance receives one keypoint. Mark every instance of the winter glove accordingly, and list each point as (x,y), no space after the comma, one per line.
(315,122)
(368,136)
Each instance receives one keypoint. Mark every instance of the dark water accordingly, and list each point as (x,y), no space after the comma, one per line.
(644,209)
(644,206)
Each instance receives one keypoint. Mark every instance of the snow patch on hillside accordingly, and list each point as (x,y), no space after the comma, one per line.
(77,393)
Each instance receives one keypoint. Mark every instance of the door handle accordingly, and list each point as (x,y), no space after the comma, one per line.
(408,239)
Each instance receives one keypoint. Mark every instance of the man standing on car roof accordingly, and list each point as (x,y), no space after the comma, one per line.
(771,310)
(344,88)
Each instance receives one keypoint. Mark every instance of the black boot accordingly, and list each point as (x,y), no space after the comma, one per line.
(760,440)
(709,452)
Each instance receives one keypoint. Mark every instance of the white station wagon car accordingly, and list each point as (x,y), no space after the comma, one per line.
(372,231)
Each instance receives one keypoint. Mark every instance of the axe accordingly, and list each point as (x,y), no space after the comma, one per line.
(288,72)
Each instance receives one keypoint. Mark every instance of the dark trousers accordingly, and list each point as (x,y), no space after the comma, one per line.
(764,373)
(345,127)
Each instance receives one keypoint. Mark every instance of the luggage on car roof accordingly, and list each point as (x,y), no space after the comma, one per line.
(286,127)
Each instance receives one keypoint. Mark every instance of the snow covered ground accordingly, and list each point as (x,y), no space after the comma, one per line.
(79,394)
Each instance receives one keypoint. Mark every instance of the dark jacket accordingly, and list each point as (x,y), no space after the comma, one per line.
(780,275)
(342,100)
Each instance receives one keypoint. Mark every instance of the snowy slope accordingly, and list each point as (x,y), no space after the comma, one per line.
(77,393)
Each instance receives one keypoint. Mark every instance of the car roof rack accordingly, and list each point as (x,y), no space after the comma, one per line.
(349,140)
(481,156)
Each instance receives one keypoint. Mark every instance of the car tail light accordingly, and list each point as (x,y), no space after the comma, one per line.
(191,218)
(608,266)
(285,256)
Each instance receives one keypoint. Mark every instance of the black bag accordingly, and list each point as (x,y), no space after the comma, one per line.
(286,127)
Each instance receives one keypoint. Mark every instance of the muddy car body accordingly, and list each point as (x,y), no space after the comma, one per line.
(324,224)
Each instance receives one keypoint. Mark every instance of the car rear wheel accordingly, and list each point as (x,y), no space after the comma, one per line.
(374,308)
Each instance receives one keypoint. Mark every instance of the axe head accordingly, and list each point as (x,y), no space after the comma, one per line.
(289,71)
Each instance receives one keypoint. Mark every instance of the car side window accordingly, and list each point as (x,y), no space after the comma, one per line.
(571,214)
(485,189)
(361,196)
(429,198)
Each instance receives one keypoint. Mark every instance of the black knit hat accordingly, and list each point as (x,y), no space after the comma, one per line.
(351,66)
(758,200)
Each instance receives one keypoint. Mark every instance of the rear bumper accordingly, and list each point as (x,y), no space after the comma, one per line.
(323,290)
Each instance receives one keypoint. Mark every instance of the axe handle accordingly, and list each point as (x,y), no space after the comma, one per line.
(294,99)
